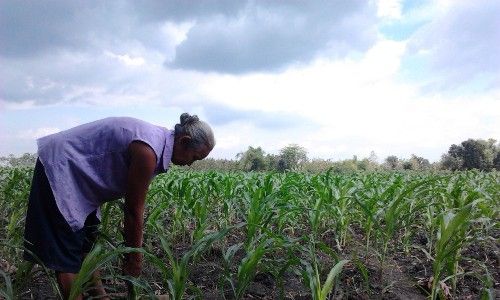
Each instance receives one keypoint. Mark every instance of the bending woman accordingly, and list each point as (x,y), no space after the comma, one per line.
(81,168)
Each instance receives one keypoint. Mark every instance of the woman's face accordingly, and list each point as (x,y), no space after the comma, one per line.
(183,154)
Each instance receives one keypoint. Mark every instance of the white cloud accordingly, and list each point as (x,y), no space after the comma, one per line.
(17,106)
(389,9)
(33,134)
(324,86)
(360,106)
(176,33)
(126,59)
(459,46)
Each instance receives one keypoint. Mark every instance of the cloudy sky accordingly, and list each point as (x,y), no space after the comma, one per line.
(340,78)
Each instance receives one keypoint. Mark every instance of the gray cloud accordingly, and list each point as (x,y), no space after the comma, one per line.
(462,45)
(268,36)
(30,28)
(53,51)
(45,81)
(181,11)
(227,36)
(223,115)
(37,28)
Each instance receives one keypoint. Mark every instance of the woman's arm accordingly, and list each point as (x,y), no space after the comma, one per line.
(140,173)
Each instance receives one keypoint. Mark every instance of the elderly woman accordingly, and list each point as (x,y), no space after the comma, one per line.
(81,168)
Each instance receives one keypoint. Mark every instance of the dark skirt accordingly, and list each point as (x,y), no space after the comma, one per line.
(49,240)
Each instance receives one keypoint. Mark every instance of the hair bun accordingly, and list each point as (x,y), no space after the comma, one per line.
(187,119)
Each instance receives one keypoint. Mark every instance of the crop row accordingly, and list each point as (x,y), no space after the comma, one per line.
(290,225)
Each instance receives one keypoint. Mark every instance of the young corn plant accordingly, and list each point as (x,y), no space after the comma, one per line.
(176,275)
(157,198)
(248,266)
(182,190)
(24,273)
(343,199)
(450,240)
(231,188)
(398,211)
(311,277)
(368,198)
(6,290)
(228,257)
(323,192)
(260,213)
(310,271)
(430,227)
(13,200)
(200,214)
(290,199)
(93,262)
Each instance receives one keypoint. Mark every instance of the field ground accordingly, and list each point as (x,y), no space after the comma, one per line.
(212,235)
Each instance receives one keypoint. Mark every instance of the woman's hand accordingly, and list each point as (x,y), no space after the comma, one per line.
(132,266)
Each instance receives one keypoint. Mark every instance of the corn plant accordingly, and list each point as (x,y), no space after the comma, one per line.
(93,262)
(24,272)
(248,266)
(14,192)
(260,212)
(6,291)
(398,210)
(228,261)
(451,236)
(369,200)
(343,195)
(310,274)
(176,277)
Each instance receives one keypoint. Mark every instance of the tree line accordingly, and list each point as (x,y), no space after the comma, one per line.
(471,154)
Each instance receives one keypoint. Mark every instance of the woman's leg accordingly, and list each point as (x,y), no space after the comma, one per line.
(91,233)
(65,281)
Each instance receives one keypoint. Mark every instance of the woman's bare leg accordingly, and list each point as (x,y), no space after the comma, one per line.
(65,281)
(97,290)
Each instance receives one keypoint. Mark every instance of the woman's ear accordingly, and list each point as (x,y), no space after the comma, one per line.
(186,140)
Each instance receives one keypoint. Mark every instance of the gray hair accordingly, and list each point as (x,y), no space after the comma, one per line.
(199,131)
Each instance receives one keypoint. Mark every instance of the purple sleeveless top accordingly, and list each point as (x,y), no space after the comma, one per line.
(88,165)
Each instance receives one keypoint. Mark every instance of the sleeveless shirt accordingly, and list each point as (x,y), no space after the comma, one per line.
(87,165)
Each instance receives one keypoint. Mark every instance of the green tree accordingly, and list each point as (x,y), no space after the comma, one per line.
(496,161)
(392,162)
(453,160)
(471,154)
(419,163)
(291,157)
(407,165)
(364,165)
(253,159)
(272,161)
(477,155)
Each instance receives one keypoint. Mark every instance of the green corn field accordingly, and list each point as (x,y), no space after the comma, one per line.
(292,235)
